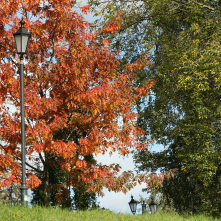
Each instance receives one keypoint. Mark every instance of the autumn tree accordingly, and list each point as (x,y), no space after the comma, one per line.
(71,82)
(183,38)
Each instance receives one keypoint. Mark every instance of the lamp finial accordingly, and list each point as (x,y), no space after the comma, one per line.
(22,22)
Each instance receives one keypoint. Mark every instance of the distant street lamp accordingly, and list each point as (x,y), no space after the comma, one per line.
(143,207)
(153,206)
(133,205)
(22,38)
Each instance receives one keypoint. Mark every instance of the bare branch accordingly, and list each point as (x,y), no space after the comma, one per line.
(42,160)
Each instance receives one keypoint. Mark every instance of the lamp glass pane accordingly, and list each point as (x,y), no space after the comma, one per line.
(18,43)
(153,208)
(133,207)
(24,43)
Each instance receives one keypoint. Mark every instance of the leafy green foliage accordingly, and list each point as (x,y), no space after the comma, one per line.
(82,199)
(56,177)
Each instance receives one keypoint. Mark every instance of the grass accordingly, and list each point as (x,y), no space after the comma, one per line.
(51,214)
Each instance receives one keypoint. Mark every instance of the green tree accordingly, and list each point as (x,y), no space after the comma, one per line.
(56,177)
(183,38)
(81,200)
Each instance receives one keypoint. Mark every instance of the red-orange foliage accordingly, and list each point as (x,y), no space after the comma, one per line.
(70,82)
(85,9)
(114,24)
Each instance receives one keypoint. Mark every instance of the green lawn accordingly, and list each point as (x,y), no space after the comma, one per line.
(49,214)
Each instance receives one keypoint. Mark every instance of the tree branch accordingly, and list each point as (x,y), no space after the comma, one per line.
(17,158)
(42,160)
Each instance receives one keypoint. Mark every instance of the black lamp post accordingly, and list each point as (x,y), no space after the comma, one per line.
(143,207)
(153,206)
(133,205)
(22,38)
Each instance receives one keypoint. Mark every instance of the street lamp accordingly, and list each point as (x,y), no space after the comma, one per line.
(153,206)
(133,205)
(22,38)
(143,207)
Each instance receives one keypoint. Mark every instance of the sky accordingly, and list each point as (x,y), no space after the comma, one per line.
(117,202)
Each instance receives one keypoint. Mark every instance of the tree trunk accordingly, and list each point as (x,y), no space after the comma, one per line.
(46,187)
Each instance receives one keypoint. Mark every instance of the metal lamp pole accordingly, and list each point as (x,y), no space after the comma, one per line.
(22,38)
(143,207)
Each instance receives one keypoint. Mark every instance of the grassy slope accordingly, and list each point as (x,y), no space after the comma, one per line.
(43,214)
